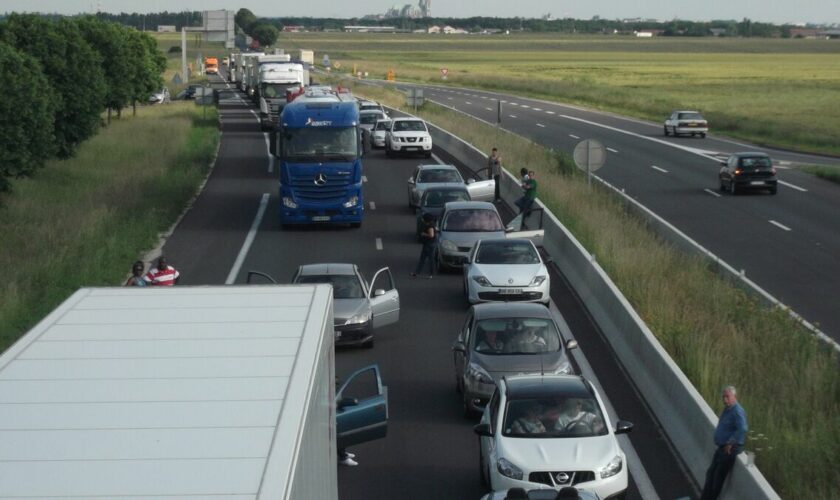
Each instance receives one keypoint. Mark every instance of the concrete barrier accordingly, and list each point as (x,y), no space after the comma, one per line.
(686,418)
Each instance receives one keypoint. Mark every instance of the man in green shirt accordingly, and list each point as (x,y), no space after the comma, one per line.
(530,187)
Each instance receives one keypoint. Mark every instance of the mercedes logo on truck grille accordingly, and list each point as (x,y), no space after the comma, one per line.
(320,179)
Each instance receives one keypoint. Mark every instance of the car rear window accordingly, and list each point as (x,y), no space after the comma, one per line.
(756,161)
(439,175)
(473,220)
(690,116)
(409,126)
(383,125)
(440,198)
(369,118)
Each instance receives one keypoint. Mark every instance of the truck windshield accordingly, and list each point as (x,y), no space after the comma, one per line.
(275,90)
(317,143)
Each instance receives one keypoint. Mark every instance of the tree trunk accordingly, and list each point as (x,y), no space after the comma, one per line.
(109,115)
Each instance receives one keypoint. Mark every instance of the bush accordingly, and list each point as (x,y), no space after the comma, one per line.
(175,49)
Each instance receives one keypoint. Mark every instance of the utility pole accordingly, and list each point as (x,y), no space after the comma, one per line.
(184,54)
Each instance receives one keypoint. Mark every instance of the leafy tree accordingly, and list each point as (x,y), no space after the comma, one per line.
(71,66)
(26,115)
(245,19)
(111,41)
(149,64)
(266,34)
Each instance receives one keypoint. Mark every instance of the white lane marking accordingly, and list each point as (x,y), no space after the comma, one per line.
(468,102)
(782,167)
(268,152)
(524,106)
(537,109)
(513,104)
(573,136)
(793,186)
(489,109)
(503,102)
(437,158)
(364,178)
(246,246)
(379,243)
(779,225)
(541,125)
(611,150)
(512,116)
(253,113)
(449,98)
(658,168)
(634,463)
(485,97)
(373,205)
(550,112)
(716,195)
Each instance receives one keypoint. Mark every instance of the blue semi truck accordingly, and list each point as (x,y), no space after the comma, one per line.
(318,141)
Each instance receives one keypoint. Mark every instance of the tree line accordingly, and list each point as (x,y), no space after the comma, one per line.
(59,76)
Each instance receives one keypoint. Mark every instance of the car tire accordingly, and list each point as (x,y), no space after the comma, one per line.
(733,190)
(722,187)
(702,135)
(774,189)
(665,130)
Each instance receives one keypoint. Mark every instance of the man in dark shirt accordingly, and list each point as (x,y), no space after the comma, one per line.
(494,167)
(729,438)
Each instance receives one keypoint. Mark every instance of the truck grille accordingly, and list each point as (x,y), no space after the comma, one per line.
(332,191)
(509,298)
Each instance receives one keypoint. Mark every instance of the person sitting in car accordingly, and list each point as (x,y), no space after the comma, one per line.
(529,341)
(530,422)
(492,342)
(575,420)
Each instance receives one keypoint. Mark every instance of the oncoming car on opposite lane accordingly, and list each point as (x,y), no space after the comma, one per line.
(686,123)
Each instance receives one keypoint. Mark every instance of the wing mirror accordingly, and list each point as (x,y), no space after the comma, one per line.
(345,402)
(459,347)
(623,427)
(411,180)
(483,430)
(378,292)
(571,344)
(470,180)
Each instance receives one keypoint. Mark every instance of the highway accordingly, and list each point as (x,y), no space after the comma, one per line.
(788,244)
(430,451)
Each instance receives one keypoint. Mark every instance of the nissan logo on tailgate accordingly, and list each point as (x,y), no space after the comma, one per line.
(320,179)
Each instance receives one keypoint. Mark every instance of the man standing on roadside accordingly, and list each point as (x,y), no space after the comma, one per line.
(530,187)
(494,169)
(729,438)
(162,275)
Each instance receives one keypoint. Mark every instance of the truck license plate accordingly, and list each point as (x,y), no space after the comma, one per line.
(320,218)
(510,291)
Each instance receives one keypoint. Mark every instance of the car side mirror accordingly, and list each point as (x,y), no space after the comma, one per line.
(345,402)
(378,292)
(509,229)
(470,180)
(459,347)
(483,430)
(623,427)
(411,180)
(571,344)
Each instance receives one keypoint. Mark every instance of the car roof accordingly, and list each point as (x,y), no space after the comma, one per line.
(327,269)
(464,205)
(437,166)
(748,154)
(407,119)
(546,386)
(493,310)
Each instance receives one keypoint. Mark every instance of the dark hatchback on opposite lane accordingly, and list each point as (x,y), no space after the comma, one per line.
(744,171)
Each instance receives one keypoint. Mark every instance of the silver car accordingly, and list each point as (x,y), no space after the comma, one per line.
(462,224)
(686,123)
(506,270)
(377,136)
(437,175)
(369,117)
(505,339)
(358,308)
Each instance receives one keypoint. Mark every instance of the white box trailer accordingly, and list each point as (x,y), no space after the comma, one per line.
(182,392)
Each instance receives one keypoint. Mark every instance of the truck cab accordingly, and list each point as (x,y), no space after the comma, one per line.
(318,142)
(211,65)
(277,75)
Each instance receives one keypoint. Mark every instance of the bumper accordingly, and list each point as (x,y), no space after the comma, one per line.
(756,184)
(692,130)
(411,147)
(478,293)
(610,487)
(320,215)
(352,335)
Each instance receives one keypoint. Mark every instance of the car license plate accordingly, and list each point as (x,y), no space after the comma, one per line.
(510,291)
(757,183)
(320,218)
(412,148)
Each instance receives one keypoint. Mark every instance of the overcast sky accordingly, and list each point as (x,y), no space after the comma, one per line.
(777,11)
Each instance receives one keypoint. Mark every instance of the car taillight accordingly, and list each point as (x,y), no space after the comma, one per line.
(773,171)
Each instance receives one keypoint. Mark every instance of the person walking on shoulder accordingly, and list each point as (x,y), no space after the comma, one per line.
(136,278)
(429,238)
(729,439)
(162,275)
(494,169)
(530,187)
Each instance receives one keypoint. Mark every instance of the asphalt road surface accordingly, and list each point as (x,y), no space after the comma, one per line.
(430,450)
(788,244)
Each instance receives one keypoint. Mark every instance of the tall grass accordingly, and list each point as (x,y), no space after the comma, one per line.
(83,221)
(788,382)
(828,173)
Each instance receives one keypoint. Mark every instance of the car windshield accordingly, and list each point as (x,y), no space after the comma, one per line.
(364,107)
(369,118)
(345,286)
(439,175)
(383,125)
(756,161)
(473,220)
(507,252)
(555,416)
(507,336)
(690,116)
(435,198)
(409,126)
(315,143)
(275,90)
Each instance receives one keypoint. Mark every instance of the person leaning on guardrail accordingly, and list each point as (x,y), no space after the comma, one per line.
(530,187)
(729,438)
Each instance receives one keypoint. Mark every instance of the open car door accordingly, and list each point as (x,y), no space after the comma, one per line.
(481,190)
(516,229)
(361,413)
(385,300)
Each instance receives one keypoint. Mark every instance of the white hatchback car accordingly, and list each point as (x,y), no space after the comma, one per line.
(377,137)
(408,135)
(506,270)
(552,431)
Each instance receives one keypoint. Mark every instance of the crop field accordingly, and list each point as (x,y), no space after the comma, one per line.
(196,49)
(778,92)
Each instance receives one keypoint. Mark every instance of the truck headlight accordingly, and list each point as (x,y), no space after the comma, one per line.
(359,318)
(448,246)
(537,281)
(479,374)
(288,202)
(612,468)
(481,280)
(352,202)
(508,469)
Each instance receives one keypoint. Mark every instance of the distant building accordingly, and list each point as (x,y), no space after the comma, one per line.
(804,33)
(449,30)
(648,33)
(166,28)
(293,29)
(370,29)
(433,29)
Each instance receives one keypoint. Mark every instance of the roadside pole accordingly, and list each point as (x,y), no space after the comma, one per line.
(184,55)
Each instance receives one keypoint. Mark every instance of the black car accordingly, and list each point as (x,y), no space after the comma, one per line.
(189,92)
(743,171)
(434,199)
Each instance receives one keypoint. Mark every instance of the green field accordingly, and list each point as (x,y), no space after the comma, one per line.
(196,49)
(780,92)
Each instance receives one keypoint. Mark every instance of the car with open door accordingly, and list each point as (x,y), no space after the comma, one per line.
(359,307)
(442,176)
(361,402)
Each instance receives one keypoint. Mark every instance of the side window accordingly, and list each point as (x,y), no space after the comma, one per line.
(465,330)
(494,409)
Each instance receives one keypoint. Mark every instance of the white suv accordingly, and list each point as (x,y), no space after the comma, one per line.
(551,431)
(408,135)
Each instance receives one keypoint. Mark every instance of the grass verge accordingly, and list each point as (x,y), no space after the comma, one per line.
(83,221)
(788,382)
(828,173)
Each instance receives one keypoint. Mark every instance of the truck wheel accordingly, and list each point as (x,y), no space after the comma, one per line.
(355,225)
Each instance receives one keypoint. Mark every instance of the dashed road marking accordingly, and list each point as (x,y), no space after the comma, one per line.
(779,225)
(489,109)
(573,136)
(524,106)
(541,125)
(373,205)
(550,112)
(658,168)
(513,104)
(437,158)
(537,109)
(468,102)
(364,178)
(512,116)
(716,195)
(611,150)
